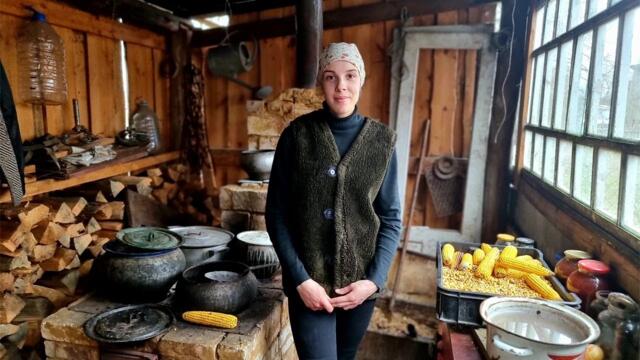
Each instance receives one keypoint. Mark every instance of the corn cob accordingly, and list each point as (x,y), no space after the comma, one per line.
(485,268)
(542,287)
(447,254)
(485,247)
(211,318)
(517,274)
(478,255)
(509,252)
(526,266)
(524,257)
(457,258)
(466,262)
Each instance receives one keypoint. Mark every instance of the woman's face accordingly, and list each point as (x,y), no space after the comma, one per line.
(341,86)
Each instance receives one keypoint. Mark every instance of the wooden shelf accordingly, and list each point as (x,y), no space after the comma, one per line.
(44,186)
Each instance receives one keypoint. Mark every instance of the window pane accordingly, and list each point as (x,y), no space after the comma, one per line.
(549,20)
(534,65)
(537,91)
(528,138)
(578,98)
(538,147)
(563,17)
(608,182)
(537,36)
(604,66)
(596,6)
(627,123)
(549,173)
(583,172)
(578,7)
(549,86)
(564,165)
(562,92)
(631,210)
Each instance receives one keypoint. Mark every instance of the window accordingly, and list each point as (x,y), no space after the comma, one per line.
(582,128)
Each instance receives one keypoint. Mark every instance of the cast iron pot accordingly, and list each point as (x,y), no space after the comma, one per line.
(203,243)
(221,286)
(132,275)
(257,163)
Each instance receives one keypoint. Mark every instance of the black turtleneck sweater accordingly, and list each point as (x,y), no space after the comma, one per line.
(386,204)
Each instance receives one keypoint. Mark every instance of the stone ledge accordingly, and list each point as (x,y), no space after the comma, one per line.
(61,350)
(185,342)
(252,198)
(66,326)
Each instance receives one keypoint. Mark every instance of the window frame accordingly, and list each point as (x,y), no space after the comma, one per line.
(585,213)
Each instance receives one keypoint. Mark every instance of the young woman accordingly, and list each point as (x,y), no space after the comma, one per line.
(333,212)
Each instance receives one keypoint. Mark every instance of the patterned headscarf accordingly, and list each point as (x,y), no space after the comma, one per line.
(341,51)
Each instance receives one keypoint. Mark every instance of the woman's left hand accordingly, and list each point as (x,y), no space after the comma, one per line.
(354,294)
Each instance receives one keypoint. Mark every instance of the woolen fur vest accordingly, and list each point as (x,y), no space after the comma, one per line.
(334,224)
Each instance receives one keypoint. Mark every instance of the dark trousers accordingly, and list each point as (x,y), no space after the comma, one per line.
(319,335)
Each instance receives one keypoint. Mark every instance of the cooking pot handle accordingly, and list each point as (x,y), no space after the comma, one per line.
(497,341)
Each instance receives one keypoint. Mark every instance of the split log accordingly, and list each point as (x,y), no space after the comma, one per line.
(65,281)
(6,281)
(31,274)
(12,263)
(57,297)
(99,211)
(92,226)
(117,210)
(75,263)
(10,307)
(74,230)
(22,286)
(43,252)
(76,204)
(154,172)
(141,184)
(96,248)
(156,181)
(81,243)
(33,216)
(29,242)
(11,235)
(34,336)
(109,234)
(85,268)
(7,329)
(100,198)
(19,338)
(61,259)
(48,234)
(35,308)
(111,187)
(64,215)
(111,225)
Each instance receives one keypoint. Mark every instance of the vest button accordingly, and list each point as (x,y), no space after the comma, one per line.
(331,171)
(328,214)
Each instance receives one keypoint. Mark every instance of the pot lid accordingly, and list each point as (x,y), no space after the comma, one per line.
(118,248)
(202,236)
(129,324)
(149,238)
(255,237)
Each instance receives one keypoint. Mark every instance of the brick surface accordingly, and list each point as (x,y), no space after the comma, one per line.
(66,326)
(234,221)
(186,341)
(226,201)
(268,142)
(61,350)
(267,124)
(246,198)
(255,106)
(258,222)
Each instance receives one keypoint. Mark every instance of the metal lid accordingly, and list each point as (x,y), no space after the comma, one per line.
(118,248)
(202,236)
(525,241)
(594,266)
(506,237)
(129,324)
(255,237)
(149,238)
(577,254)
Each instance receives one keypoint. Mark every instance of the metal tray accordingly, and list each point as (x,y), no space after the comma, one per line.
(462,307)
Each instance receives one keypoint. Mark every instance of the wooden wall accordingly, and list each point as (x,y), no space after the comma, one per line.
(93,64)
(445,89)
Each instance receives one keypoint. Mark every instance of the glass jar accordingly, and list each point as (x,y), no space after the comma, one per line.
(627,338)
(505,239)
(614,326)
(590,277)
(525,242)
(599,304)
(569,263)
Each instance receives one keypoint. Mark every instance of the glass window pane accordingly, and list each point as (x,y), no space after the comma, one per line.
(534,65)
(608,182)
(563,17)
(549,87)
(596,6)
(537,91)
(538,147)
(578,7)
(603,68)
(562,92)
(627,123)
(631,207)
(549,21)
(537,36)
(528,138)
(583,172)
(565,155)
(578,98)
(549,173)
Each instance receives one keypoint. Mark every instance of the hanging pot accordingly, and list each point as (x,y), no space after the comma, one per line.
(203,243)
(259,251)
(221,286)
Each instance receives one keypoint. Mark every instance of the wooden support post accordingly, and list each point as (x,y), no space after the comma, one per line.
(308,41)
(181,56)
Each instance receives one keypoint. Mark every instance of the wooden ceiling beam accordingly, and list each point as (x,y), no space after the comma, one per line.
(344,17)
(198,7)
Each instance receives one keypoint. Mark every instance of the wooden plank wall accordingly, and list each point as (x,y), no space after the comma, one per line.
(445,89)
(93,68)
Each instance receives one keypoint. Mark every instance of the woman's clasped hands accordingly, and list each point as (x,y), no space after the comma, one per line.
(315,297)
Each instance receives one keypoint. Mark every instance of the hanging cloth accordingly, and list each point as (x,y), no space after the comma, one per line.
(11,158)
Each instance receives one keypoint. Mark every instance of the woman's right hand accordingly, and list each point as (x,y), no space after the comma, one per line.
(314,296)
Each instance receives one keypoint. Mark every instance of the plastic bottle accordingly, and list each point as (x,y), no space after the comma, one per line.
(41,61)
(145,121)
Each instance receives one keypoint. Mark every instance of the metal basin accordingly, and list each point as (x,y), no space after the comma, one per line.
(257,163)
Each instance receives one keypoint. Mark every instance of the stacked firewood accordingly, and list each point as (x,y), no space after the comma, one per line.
(46,247)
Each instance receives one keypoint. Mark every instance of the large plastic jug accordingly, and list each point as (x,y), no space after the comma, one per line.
(41,63)
(144,120)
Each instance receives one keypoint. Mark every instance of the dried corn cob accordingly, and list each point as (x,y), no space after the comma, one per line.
(509,252)
(466,262)
(478,255)
(485,247)
(447,254)
(457,258)
(527,266)
(515,274)
(542,287)
(211,318)
(485,268)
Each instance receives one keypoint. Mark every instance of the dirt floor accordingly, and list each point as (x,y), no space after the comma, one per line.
(405,320)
